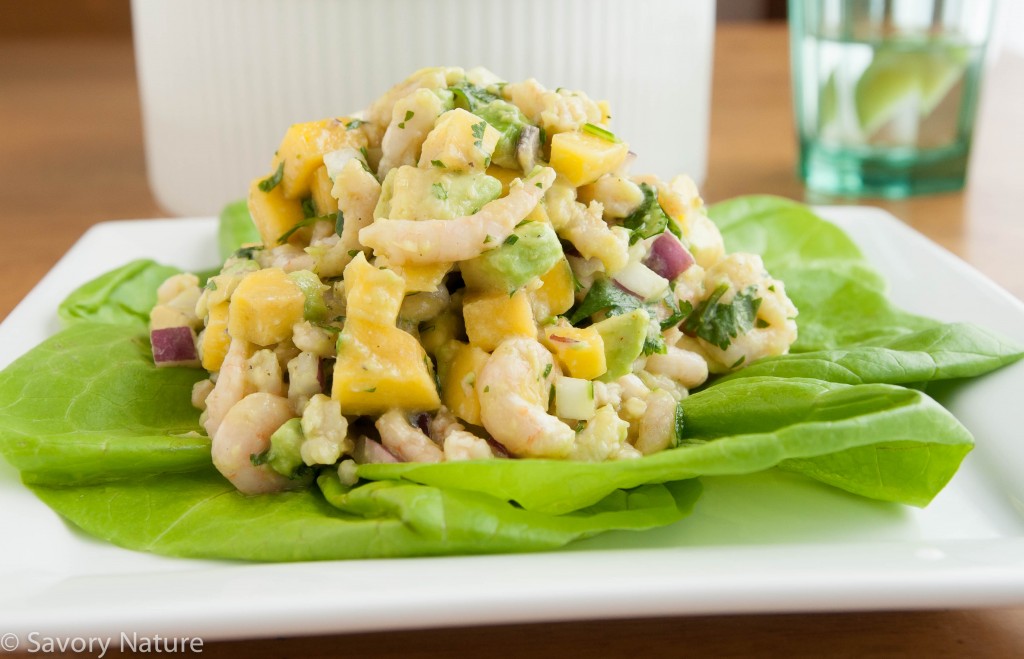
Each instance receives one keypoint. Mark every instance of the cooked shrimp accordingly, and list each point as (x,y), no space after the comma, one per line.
(444,241)
(618,195)
(357,192)
(685,367)
(462,445)
(406,441)
(558,111)
(775,329)
(586,229)
(604,438)
(288,257)
(411,119)
(706,242)
(232,385)
(679,199)
(459,443)
(514,387)
(244,432)
(303,379)
(657,426)
(431,78)
(325,431)
(263,373)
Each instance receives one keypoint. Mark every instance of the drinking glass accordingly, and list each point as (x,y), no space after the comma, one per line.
(886,92)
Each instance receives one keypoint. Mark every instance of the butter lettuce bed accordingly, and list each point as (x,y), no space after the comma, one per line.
(113,445)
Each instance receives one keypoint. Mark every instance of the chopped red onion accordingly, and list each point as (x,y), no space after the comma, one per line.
(668,257)
(174,346)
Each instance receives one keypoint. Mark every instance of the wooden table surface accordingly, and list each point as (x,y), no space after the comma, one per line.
(71,154)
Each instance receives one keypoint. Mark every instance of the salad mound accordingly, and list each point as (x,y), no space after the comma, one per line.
(465,271)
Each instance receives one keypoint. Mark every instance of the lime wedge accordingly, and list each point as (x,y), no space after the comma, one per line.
(898,76)
(828,103)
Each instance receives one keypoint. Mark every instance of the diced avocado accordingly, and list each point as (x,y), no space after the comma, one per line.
(624,338)
(509,120)
(284,455)
(411,193)
(314,309)
(447,99)
(531,250)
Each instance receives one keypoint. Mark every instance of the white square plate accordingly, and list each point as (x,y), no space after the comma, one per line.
(766,543)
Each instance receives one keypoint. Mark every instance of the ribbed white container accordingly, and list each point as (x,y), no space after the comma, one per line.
(221,80)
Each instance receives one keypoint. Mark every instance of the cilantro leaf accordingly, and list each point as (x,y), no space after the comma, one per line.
(272,181)
(478,132)
(654,345)
(355,123)
(308,207)
(719,323)
(605,296)
(678,311)
(648,219)
(439,192)
(309,221)
(339,222)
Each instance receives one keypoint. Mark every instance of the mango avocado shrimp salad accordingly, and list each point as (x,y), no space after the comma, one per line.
(458,322)
(468,270)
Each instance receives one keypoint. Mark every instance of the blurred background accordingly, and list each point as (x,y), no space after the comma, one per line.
(113,17)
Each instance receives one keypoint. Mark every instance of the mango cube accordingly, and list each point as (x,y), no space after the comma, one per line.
(272,212)
(264,307)
(380,367)
(322,198)
(462,364)
(493,317)
(215,341)
(460,141)
(302,152)
(580,351)
(372,294)
(423,277)
(583,158)
(438,332)
(556,293)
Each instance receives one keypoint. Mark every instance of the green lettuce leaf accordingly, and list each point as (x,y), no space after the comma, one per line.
(235,228)
(943,352)
(88,405)
(841,299)
(741,427)
(123,296)
(201,515)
